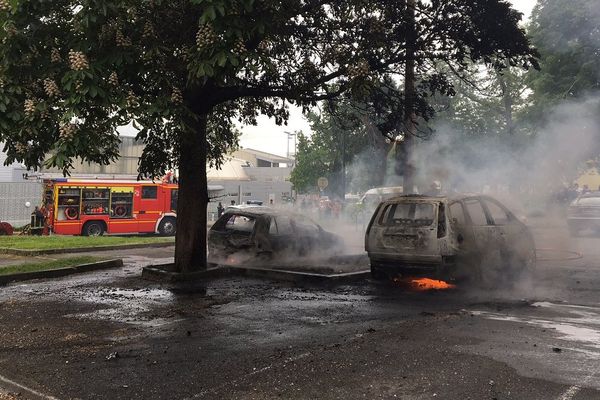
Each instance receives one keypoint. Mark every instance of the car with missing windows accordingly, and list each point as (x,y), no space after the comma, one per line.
(266,232)
(584,214)
(449,237)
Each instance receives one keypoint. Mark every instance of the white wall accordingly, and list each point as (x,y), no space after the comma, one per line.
(9,173)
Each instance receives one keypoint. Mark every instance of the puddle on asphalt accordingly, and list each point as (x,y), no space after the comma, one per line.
(131,306)
(110,296)
(578,326)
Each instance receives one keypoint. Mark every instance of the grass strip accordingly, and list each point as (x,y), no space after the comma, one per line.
(69,242)
(48,265)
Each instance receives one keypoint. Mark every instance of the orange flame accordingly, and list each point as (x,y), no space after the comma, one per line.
(232,260)
(424,284)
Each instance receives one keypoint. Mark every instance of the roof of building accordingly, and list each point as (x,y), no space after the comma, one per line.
(232,169)
(274,158)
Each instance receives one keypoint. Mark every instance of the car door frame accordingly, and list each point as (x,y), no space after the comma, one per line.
(468,252)
(281,242)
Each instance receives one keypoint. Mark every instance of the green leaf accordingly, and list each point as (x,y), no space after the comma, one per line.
(210,13)
(221,59)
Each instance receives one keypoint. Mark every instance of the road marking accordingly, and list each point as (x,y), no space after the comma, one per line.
(570,393)
(573,390)
(33,392)
(243,377)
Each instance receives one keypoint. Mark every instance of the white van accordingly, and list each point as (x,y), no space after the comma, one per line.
(373,197)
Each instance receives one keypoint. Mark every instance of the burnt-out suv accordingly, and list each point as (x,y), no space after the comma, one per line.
(451,237)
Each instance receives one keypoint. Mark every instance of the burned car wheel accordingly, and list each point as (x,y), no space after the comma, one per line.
(495,270)
(525,266)
(377,273)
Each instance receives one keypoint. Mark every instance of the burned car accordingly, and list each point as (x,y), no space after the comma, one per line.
(466,236)
(584,213)
(265,232)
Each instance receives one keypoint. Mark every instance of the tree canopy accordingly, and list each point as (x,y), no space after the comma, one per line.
(568,38)
(182,72)
(341,136)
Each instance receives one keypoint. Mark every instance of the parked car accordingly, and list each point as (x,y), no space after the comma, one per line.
(465,236)
(263,231)
(584,213)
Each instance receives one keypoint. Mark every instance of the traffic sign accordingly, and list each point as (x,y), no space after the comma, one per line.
(322,183)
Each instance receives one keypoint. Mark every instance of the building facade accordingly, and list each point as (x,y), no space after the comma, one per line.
(245,175)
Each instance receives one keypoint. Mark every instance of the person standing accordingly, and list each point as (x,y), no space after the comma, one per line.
(220,210)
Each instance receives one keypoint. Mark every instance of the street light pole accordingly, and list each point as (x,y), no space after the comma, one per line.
(289,136)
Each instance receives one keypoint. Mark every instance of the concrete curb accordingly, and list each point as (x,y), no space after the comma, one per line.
(34,252)
(298,276)
(56,273)
(159,273)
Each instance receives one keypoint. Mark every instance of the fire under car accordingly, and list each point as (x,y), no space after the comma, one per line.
(254,233)
(450,237)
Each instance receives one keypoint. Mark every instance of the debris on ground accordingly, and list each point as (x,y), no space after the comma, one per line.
(112,356)
(9,396)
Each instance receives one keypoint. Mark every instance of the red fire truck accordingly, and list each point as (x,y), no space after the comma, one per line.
(94,207)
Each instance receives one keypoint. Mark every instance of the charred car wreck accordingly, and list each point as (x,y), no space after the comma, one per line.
(267,233)
(584,214)
(467,236)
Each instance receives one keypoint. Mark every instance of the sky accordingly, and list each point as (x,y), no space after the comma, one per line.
(269,137)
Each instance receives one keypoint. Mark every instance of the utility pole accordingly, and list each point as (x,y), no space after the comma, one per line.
(344,165)
(410,130)
(289,136)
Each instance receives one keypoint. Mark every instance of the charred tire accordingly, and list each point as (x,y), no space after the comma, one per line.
(168,226)
(93,228)
(493,271)
(526,267)
(377,273)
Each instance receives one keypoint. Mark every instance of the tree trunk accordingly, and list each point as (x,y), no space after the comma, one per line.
(190,240)
(408,167)
(508,104)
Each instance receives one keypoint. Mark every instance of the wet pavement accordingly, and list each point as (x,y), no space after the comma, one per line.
(110,334)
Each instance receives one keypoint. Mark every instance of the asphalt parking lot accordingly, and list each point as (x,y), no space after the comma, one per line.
(110,334)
